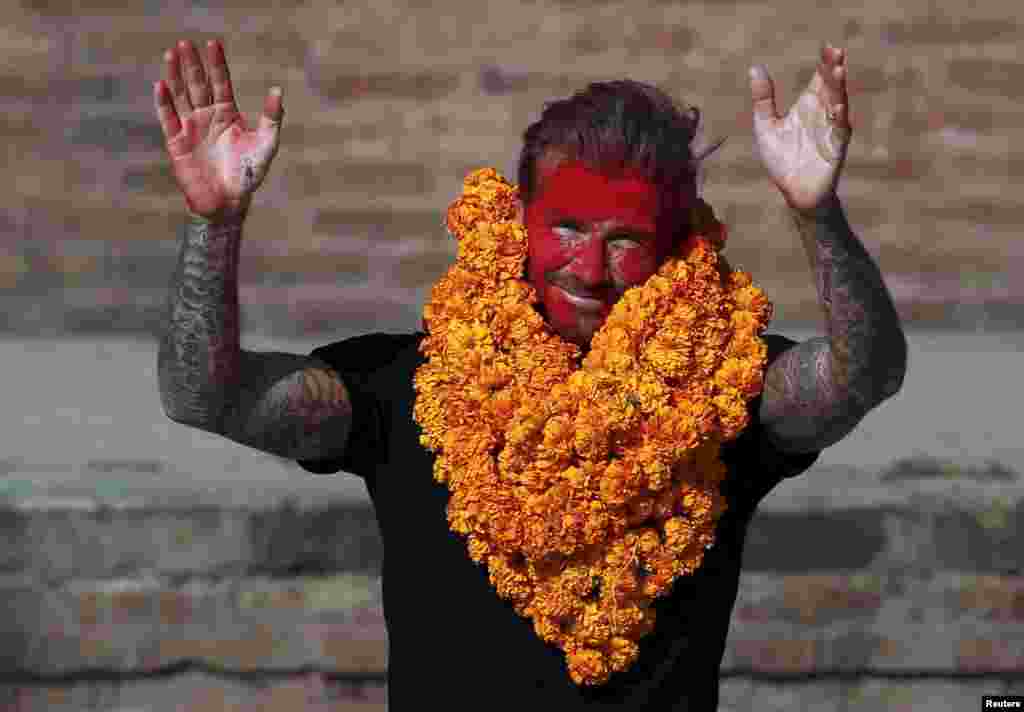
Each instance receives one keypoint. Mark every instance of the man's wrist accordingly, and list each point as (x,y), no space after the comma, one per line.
(230,217)
(822,212)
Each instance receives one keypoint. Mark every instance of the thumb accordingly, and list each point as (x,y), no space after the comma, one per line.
(763,93)
(273,112)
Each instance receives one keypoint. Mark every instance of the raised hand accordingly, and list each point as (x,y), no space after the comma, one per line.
(804,151)
(217,160)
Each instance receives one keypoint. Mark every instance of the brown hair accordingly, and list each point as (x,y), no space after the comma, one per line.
(616,124)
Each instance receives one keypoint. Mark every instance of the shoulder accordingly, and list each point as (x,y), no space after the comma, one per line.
(371,367)
(757,464)
(367,352)
(777,344)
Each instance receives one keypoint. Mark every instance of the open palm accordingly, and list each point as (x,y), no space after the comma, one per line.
(804,151)
(218,161)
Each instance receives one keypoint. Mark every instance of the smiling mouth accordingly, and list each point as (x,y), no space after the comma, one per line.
(584,303)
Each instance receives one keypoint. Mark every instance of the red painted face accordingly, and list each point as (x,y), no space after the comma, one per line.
(591,235)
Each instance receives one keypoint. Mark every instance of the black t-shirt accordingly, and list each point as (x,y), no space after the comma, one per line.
(453,644)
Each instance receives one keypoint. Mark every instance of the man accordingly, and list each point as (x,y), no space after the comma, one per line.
(606,179)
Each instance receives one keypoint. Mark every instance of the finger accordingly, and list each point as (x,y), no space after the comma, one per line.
(842,122)
(833,89)
(220,77)
(165,112)
(273,111)
(199,91)
(827,53)
(838,137)
(829,57)
(762,90)
(179,93)
(817,84)
(838,55)
(839,85)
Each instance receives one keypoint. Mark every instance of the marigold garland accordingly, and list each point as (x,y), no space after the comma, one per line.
(587,489)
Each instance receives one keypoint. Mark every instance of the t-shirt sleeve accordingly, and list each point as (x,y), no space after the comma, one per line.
(364,363)
(759,463)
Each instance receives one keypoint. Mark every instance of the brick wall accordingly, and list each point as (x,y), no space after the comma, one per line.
(389,104)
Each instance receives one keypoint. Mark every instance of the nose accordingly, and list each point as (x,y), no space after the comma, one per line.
(590,266)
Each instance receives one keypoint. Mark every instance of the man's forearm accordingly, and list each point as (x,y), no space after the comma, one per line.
(199,355)
(868,347)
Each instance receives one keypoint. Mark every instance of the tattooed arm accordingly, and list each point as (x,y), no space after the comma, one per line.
(289,405)
(816,392)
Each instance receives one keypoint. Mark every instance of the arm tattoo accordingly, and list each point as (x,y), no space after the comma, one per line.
(816,392)
(289,406)
(198,362)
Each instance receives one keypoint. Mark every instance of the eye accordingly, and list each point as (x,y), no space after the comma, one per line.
(568,226)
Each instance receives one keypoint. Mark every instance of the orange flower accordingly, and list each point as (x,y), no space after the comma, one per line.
(621,652)
(585,488)
(588,666)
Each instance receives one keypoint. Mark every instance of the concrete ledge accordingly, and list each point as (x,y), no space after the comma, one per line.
(959,515)
(53,539)
(200,691)
(930,583)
